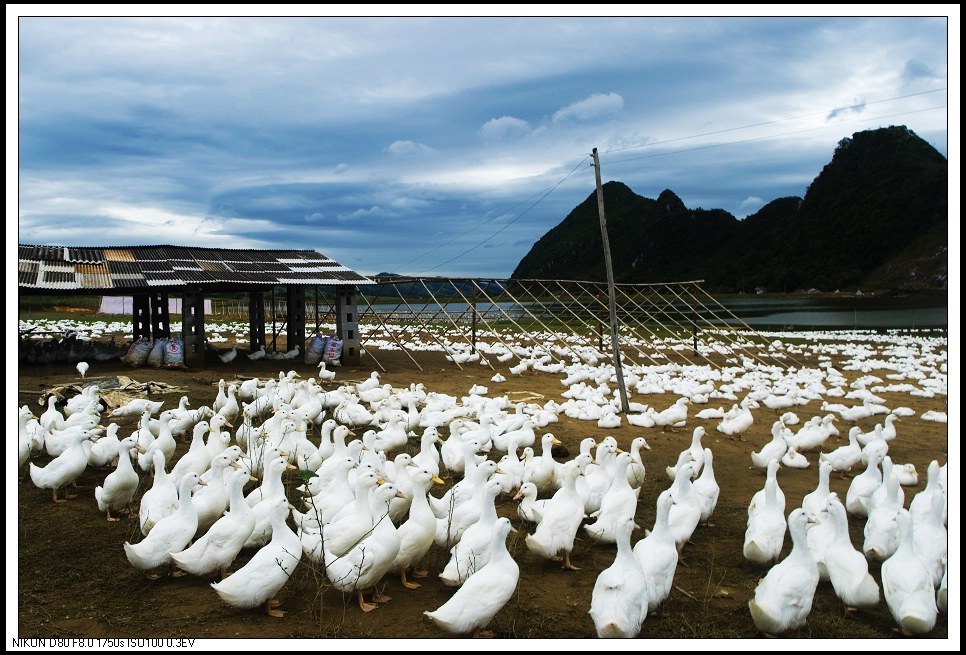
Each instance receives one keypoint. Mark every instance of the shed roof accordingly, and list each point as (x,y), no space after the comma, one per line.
(122,270)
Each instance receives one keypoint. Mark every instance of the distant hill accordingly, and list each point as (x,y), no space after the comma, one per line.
(875,217)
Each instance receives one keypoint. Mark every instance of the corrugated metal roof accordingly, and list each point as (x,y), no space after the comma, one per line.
(85,255)
(118,255)
(94,276)
(94,268)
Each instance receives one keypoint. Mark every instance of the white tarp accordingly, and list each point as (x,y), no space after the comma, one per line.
(124,305)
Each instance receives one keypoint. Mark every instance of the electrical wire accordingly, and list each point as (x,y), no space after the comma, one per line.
(518,217)
(540,196)
(779,120)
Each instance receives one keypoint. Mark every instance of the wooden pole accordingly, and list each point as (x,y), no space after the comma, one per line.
(473,347)
(615,344)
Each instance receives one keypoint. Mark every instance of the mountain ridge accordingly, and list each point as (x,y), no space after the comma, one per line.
(876,216)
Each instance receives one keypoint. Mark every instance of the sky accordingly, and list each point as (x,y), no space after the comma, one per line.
(426,145)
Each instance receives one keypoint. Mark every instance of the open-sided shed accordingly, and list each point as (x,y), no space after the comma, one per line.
(150,274)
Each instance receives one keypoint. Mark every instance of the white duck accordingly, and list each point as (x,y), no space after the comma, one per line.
(907,584)
(169,535)
(738,423)
(530,508)
(636,471)
(217,548)
(942,593)
(472,551)
(328,500)
(561,519)
(674,416)
(484,593)
(104,450)
(620,599)
(848,569)
(907,474)
(707,488)
(197,459)
(774,449)
(543,470)
(428,455)
(766,527)
(211,499)
(815,503)
(783,598)
(874,446)
(257,583)
(881,530)
(686,510)
(354,521)
(57,441)
(120,485)
(164,442)
(368,560)
(417,531)
(658,554)
(758,500)
(794,459)
(888,471)
(617,503)
(930,540)
(465,505)
(843,458)
(255,461)
(272,489)
(160,500)
(65,468)
(862,487)
(921,504)
(813,433)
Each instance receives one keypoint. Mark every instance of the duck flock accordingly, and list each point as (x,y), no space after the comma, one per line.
(370,503)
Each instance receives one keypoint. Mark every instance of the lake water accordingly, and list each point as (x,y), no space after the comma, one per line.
(759,312)
(851,312)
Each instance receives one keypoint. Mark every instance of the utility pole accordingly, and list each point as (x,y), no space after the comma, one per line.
(615,344)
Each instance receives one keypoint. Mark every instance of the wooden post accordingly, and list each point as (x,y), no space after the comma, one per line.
(193,328)
(615,344)
(473,347)
(160,319)
(142,316)
(694,331)
(347,325)
(295,316)
(256,319)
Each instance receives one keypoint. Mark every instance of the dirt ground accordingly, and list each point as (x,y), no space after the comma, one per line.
(75,581)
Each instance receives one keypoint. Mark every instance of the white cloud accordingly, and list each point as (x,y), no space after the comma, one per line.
(341,168)
(373,211)
(409,204)
(315,217)
(856,107)
(750,205)
(503,127)
(402,148)
(594,106)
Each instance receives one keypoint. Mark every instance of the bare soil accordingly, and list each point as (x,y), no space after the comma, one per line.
(75,581)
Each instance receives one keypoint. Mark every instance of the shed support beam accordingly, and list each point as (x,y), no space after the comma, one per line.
(256,319)
(160,319)
(295,308)
(347,325)
(142,316)
(193,329)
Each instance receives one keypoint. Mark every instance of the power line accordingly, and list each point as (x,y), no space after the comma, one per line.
(769,136)
(543,194)
(521,215)
(779,120)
